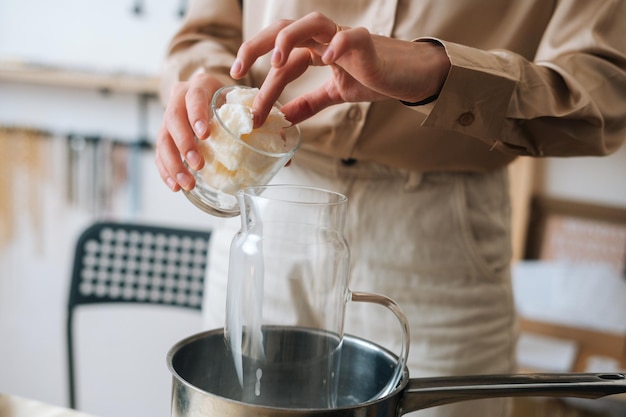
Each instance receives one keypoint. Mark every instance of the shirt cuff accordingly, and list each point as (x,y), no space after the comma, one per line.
(475,97)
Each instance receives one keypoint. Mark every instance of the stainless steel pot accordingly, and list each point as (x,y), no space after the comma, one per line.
(205,382)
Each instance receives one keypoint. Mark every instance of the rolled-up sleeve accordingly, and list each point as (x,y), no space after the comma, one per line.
(569,101)
(207,41)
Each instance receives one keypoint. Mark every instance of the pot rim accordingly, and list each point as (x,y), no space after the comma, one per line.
(402,384)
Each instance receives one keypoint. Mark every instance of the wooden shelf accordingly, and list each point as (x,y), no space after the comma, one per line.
(63,77)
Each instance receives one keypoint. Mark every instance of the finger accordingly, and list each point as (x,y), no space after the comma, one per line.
(356,41)
(188,115)
(198,102)
(283,36)
(181,140)
(314,26)
(198,110)
(164,174)
(171,168)
(255,47)
(275,82)
(310,104)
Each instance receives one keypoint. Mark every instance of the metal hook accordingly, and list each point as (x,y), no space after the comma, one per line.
(182,8)
(138,8)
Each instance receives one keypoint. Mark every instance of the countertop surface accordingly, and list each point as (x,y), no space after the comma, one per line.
(14,406)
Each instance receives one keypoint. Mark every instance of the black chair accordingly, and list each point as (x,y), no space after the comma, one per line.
(134,263)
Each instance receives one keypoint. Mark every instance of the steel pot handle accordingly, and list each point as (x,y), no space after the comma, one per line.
(406,337)
(423,393)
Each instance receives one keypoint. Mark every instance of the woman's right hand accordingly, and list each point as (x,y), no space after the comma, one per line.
(186,116)
(364,67)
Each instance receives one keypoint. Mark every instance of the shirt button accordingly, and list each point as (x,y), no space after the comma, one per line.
(466,119)
(354,114)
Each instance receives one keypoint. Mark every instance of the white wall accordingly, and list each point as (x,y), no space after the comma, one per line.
(600,180)
(98,35)
(34,270)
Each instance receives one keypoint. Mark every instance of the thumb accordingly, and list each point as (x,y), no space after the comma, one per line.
(308,105)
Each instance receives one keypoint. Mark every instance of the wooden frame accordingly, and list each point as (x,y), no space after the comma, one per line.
(601,228)
(595,223)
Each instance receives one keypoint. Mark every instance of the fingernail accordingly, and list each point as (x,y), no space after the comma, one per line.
(236,67)
(256,120)
(329,55)
(277,57)
(183,180)
(171,183)
(200,128)
(193,158)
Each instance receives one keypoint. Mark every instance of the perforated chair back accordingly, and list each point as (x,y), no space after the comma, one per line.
(133,263)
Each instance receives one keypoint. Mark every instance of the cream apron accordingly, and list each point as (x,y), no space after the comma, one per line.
(438,243)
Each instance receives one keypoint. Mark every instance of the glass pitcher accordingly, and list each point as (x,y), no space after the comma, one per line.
(287,294)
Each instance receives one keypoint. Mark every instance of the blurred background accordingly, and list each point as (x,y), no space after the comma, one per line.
(78,117)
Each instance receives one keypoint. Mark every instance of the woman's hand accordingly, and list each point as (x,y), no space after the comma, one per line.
(365,67)
(186,116)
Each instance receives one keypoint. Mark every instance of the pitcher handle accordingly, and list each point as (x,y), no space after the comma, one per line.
(387,302)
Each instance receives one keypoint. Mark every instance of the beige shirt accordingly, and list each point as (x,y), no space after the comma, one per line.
(528,77)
